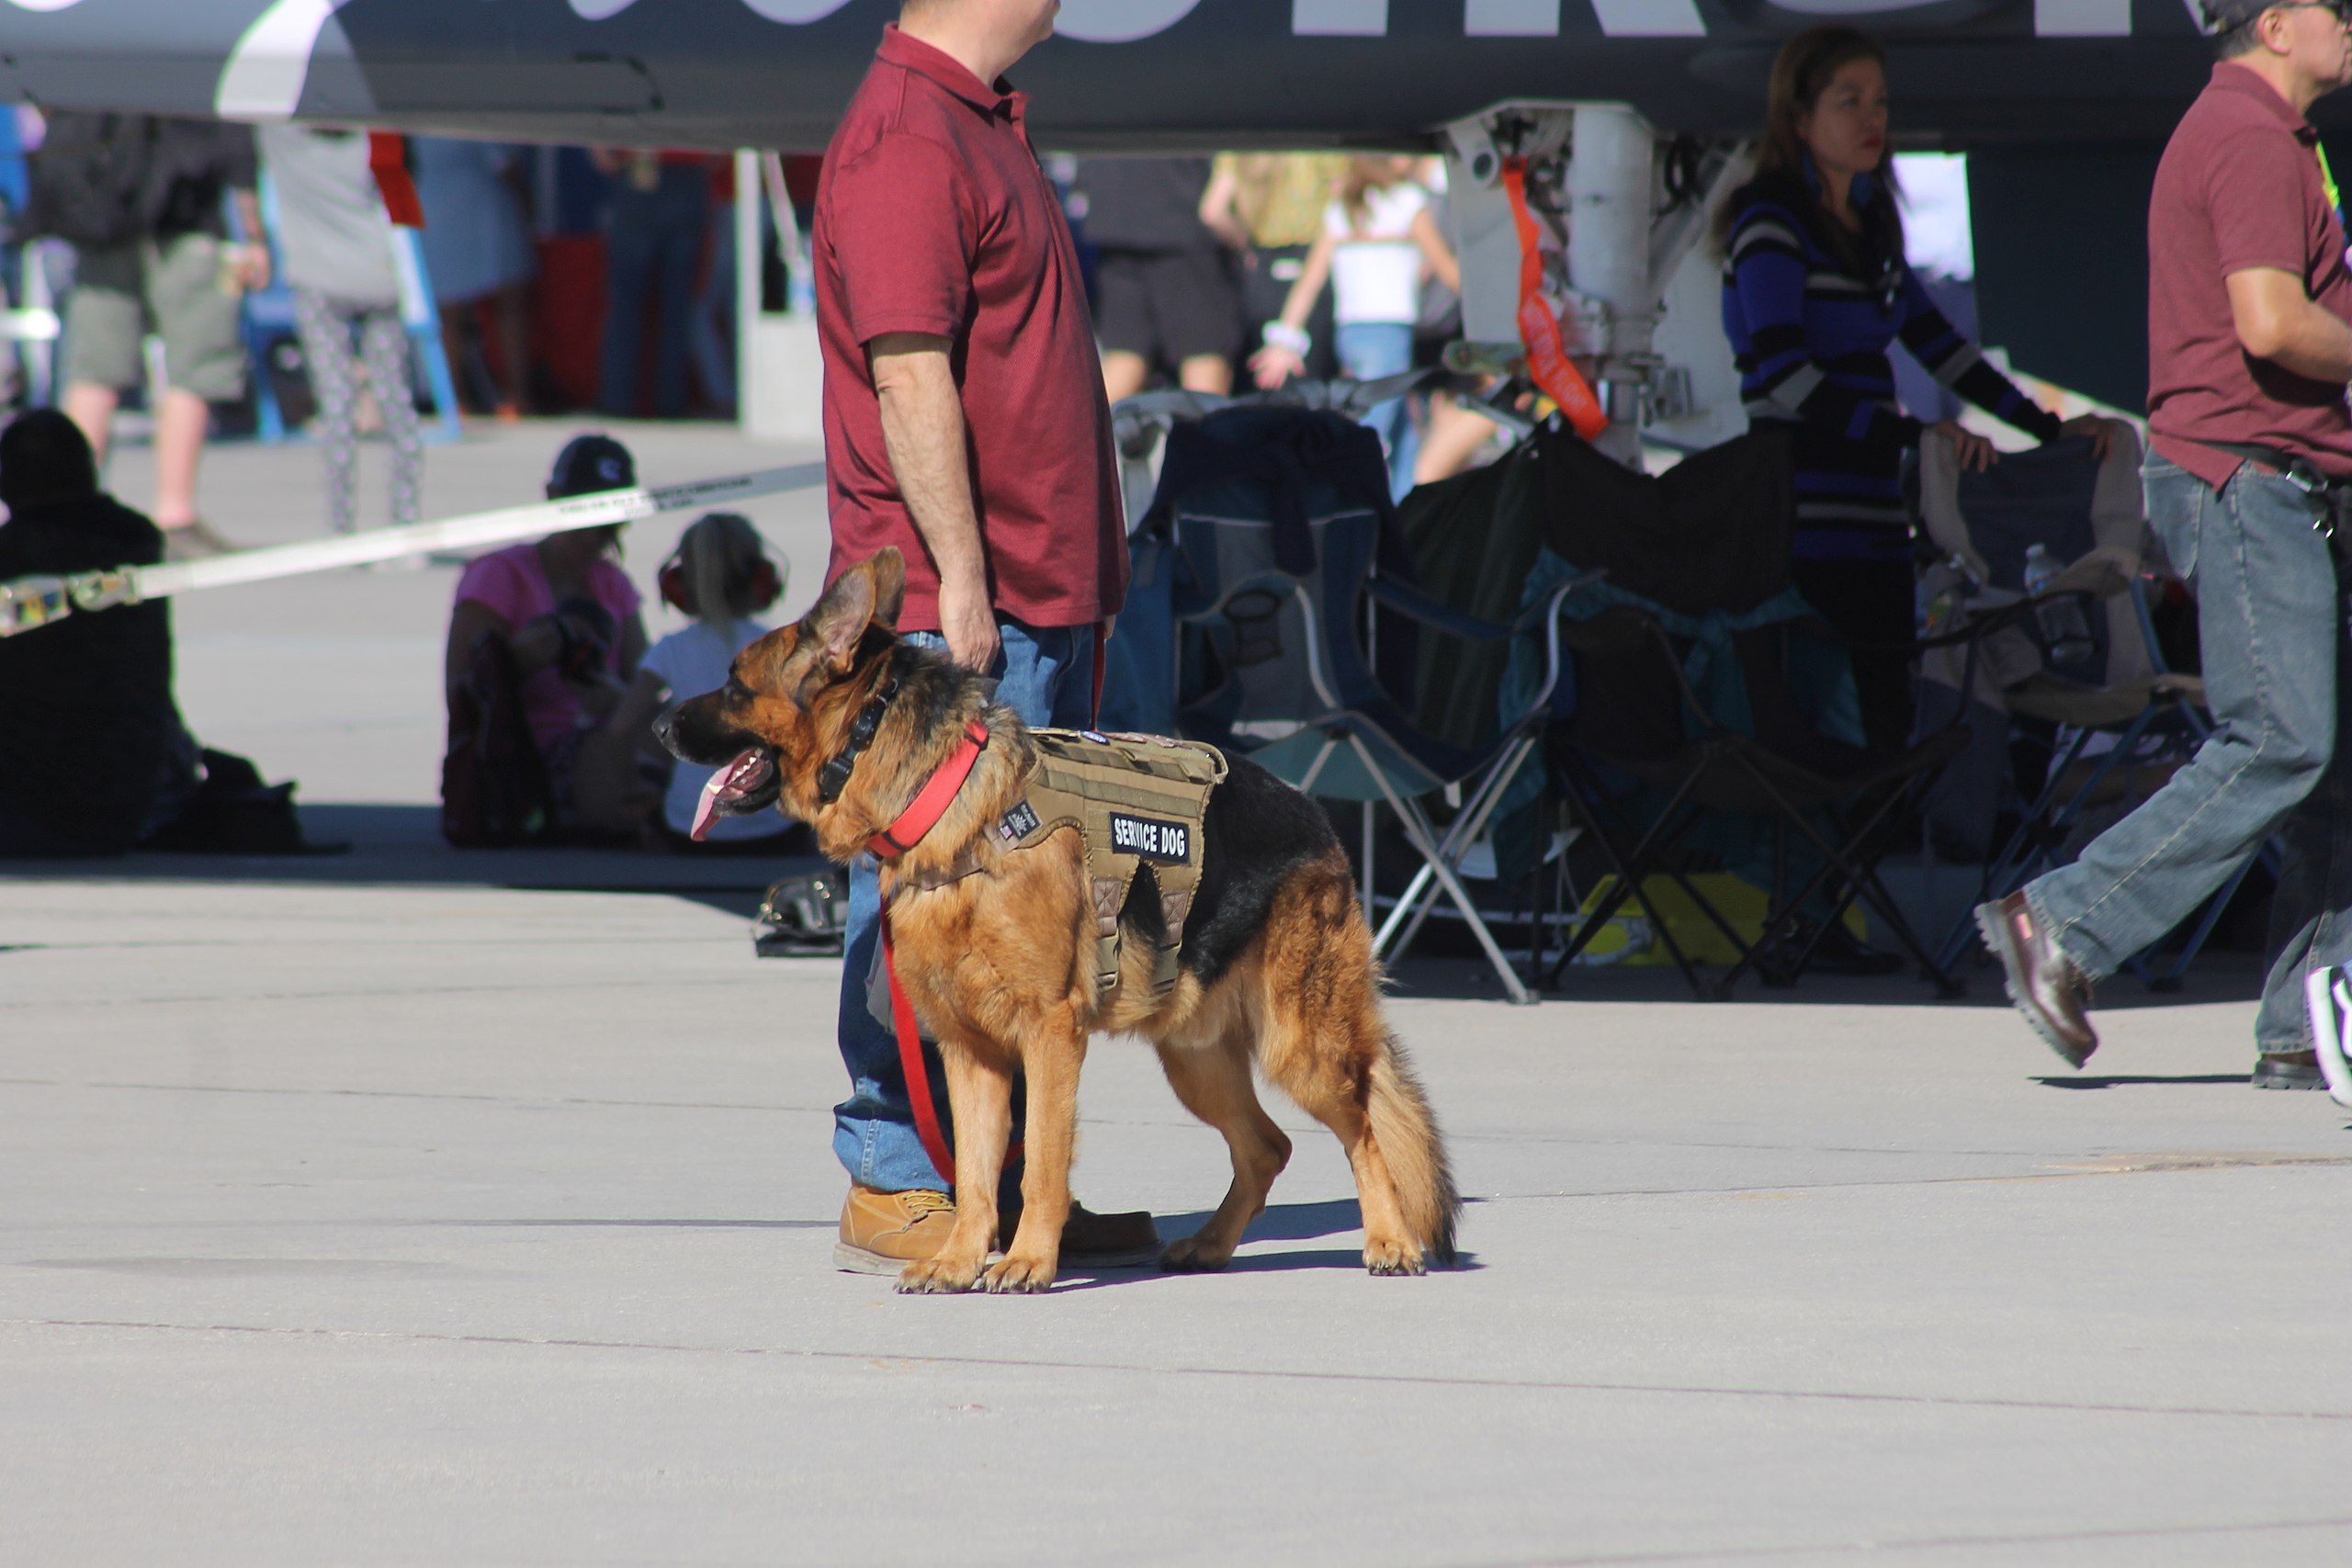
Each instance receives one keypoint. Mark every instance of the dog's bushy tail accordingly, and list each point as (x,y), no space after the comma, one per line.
(1405,1131)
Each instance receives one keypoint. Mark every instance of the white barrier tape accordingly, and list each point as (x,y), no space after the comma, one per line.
(35,602)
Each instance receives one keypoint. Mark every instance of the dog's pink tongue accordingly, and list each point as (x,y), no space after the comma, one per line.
(707,808)
(738,779)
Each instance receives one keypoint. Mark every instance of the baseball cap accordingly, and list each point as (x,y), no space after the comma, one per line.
(588,464)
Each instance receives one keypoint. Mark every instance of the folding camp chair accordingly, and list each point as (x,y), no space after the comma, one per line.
(1831,798)
(1708,678)
(2108,704)
(1290,580)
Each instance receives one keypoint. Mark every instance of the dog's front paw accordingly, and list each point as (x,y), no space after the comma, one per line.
(1195,1256)
(1017,1273)
(1392,1258)
(939,1276)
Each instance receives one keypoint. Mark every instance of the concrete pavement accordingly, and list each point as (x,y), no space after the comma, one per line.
(414,1207)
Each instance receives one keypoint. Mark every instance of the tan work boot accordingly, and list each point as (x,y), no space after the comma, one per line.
(884,1232)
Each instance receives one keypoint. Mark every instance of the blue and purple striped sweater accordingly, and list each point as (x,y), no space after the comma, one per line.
(1810,331)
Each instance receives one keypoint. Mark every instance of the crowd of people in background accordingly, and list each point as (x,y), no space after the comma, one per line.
(1284,266)
(604,279)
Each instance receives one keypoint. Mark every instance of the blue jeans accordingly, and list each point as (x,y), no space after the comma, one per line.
(1369,350)
(652,252)
(2270,620)
(1046,676)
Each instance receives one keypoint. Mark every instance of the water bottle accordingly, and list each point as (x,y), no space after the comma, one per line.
(2066,636)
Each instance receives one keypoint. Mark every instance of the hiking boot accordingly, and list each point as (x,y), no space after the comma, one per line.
(2288,1069)
(884,1232)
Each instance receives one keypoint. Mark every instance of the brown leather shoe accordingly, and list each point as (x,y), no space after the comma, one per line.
(884,1232)
(2044,982)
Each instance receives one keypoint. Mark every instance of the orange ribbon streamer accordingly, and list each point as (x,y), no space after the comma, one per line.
(1539,328)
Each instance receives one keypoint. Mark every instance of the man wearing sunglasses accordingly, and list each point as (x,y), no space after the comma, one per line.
(2249,351)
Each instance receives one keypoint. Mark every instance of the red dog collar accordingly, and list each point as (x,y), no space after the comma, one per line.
(932,803)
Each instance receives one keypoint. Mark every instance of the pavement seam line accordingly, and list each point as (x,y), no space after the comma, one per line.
(1925,1543)
(1019,1363)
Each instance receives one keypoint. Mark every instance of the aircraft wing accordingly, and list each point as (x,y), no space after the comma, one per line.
(1124,75)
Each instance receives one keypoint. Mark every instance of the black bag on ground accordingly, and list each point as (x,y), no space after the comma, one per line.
(233,812)
(88,178)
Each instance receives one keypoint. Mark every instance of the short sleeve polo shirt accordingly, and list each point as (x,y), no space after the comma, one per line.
(2239,188)
(932,216)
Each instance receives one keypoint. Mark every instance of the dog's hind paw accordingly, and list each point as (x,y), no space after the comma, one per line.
(938,1276)
(1018,1275)
(1392,1258)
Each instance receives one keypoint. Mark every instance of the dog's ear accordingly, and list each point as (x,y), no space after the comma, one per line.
(889,585)
(841,616)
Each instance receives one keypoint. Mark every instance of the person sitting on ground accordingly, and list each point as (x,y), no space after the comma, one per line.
(88,731)
(565,615)
(720,575)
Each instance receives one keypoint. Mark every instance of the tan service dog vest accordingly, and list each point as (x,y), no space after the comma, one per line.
(1136,800)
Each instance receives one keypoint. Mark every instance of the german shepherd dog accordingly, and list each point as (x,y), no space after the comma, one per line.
(995,947)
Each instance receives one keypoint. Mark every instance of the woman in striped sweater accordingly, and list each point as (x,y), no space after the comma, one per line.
(1816,289)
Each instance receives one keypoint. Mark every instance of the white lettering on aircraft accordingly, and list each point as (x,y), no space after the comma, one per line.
(1511,18)
(2082,18)
(796,10)
(1649,18)
(263,75)
(1125,21)
(1340,18)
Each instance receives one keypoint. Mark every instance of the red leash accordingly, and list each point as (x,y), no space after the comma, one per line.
(918,1071)
(920,817)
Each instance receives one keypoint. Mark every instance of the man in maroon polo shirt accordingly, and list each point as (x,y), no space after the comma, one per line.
(965,423)
(2249,351)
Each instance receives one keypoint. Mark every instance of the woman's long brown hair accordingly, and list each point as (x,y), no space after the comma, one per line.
(1801,73)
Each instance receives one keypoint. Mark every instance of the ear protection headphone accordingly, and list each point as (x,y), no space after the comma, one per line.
(764,584)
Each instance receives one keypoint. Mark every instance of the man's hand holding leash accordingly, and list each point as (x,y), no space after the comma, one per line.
(923,421)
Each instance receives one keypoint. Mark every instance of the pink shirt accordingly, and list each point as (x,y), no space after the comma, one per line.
(515,584)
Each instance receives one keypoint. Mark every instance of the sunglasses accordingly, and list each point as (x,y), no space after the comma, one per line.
(2340,9)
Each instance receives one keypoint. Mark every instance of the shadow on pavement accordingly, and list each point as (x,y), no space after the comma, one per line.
(400,846)
(1280,1221)
(2122,1081)
(2217,977)
(394,846)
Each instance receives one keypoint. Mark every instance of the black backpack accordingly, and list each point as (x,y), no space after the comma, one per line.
(89,178)
(494,791)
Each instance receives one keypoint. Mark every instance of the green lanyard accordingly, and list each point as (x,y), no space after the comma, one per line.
(2327,180)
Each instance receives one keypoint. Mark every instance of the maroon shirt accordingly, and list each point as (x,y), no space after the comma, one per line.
(933,217)
(2239,188)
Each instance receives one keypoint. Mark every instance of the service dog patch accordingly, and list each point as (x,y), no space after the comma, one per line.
(1017,824)
(1151,837)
